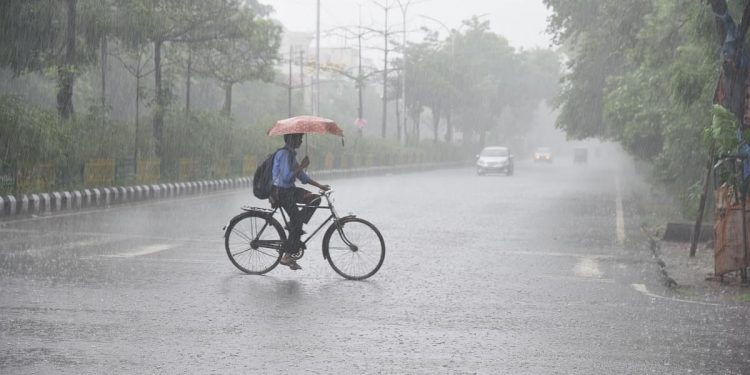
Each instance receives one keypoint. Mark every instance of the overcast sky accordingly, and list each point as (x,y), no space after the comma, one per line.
(522,22)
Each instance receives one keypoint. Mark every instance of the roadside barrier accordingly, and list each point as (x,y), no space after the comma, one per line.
(25,205)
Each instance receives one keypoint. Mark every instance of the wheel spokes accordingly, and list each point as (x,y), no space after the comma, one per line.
(251,244)
(361,262)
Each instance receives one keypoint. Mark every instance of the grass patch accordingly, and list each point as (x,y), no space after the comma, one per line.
(744,298)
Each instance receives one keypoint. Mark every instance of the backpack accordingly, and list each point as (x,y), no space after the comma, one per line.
(263,178)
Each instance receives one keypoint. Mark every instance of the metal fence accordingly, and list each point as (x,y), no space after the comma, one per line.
(23,177)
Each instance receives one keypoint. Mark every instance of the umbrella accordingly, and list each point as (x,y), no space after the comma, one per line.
(306,124)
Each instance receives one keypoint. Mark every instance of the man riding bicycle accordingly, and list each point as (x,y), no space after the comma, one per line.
(285,171)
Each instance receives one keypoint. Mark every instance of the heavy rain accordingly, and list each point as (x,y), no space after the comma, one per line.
(374,187)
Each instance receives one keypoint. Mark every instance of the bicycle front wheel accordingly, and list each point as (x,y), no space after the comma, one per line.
(253,242)
(356,250)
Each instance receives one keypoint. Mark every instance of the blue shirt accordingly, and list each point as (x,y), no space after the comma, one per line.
(284,164)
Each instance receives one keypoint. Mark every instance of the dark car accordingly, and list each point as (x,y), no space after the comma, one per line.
(496,159)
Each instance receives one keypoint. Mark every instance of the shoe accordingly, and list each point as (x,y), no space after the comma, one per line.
(289,262)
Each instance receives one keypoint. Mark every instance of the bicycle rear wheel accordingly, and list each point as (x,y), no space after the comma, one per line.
(359,253)
(253,242)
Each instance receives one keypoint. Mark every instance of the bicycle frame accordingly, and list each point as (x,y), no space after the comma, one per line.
(332,217)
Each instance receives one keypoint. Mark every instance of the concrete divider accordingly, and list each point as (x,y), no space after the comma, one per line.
(55,202)
(45,204)
(76,200)
(66,201)
(34,204)
(23,204)
(97,198)
(155,192)
(26,204)
(10,206)
(85,198)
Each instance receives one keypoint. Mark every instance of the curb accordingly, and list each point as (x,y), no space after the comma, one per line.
(25,205)
(655,247)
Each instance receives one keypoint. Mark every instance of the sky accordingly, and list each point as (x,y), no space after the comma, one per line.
(522,22)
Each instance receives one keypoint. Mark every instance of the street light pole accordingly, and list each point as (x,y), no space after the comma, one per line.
(404,8)
(316,105)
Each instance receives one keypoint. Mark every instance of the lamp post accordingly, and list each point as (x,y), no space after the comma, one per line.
(404,8)
(316,103)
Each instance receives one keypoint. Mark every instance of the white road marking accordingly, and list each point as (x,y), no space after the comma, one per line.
(557,254)
(68,246)
(587,267)
(185,261)
(643,290)
(118,235)
(574,278)
(145,250)
(620,226)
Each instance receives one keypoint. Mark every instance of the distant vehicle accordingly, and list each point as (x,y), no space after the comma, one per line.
(495,159)
(580,156)
(543,154)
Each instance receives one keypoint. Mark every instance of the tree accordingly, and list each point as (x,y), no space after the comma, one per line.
(61,35)
(428,81)
(597,33)
(161,22)
(250,54)
(481,79)
(135,61)
(358,75)
(495,82)
(644,84)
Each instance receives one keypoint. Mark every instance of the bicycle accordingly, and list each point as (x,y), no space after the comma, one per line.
(254,239)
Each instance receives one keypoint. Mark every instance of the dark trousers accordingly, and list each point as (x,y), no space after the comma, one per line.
(288,199)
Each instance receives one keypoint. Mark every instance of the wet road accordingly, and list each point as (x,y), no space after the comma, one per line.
(543,272)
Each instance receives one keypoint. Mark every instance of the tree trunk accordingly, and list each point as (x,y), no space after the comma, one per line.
(160,102)
(385,77)
(227,109)
(188,75)
(137,118)
(435,124)
(103,64)
(302,81)
(448,128)
(289,85)
(360,108)
(65,71)
(417,124)
(360,79)
(398,126)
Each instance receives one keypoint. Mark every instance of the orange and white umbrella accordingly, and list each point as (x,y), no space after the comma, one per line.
(306,125)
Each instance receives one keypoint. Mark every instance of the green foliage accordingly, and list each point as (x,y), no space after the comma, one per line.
(723,131)
(25,132)
(645,83)
(476,78)
(599,34)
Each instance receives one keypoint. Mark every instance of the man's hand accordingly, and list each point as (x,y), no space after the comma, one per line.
(324,187)
(305,162)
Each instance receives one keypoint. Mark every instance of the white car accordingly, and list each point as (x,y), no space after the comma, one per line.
(495,159)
